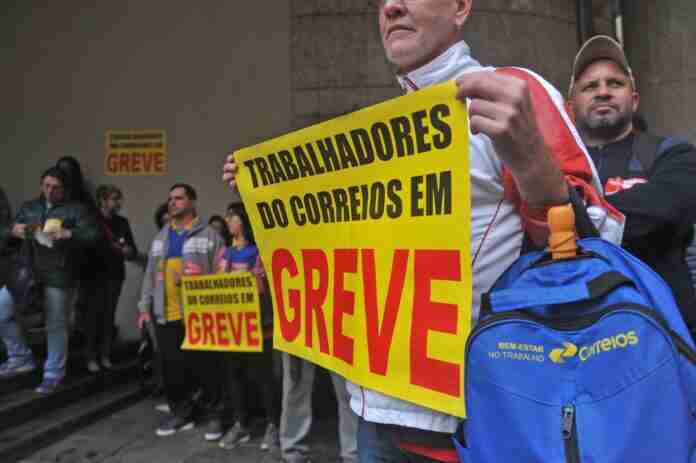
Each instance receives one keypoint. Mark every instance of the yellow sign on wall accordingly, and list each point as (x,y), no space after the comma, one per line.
(364,223)
(136,152)
(222,313)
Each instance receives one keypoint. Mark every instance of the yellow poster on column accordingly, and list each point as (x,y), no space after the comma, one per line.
(222,313)
(363,224)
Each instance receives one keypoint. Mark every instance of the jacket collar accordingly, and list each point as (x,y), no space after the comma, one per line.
(190,229)
(449,65)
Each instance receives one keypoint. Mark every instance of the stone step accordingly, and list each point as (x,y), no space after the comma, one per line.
(48,427)
(76,369)
(26,405)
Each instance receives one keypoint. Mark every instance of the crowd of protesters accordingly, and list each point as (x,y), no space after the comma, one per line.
(70,250)
(525,157)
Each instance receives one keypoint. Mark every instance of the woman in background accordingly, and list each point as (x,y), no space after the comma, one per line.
(249,369)
(104,285)
(219,224)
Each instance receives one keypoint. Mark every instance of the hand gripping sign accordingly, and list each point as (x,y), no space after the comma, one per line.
(221,313)
(364,222)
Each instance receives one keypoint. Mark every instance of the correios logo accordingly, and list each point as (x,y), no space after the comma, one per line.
(559,355)
(619,341)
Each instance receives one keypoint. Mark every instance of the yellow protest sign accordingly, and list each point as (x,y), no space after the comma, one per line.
(222,313)
(364,224)
(135,152)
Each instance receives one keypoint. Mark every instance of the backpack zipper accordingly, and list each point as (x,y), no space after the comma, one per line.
(569,432)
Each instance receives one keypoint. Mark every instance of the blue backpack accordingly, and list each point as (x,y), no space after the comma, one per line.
(584,359)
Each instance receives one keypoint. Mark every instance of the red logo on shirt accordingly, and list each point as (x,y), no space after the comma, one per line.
(192,269)
(616,184)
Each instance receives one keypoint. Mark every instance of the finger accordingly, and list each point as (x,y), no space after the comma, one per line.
(230,167)
(491,110)
(229,178)
(486,126)
(227,175)
(488,86)
(230,158)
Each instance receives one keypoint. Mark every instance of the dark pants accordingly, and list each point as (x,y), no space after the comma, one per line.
(99,313)
(184,372)
(379,443)
(252,369)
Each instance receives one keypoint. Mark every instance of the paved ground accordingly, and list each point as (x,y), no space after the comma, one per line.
(128,437)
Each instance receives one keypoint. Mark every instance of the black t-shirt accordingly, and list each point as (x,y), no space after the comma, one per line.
(107,262)
(659,205)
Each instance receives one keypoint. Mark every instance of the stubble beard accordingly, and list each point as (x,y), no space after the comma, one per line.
(605,128)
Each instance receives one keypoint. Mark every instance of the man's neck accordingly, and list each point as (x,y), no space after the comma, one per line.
(449,64)
(596,141)
(107,213)
(183,221)
(239,242)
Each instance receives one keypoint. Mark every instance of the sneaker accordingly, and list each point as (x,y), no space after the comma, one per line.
(106,363)
(49,386)
(15,367)
(235,436)
(174,424)
(93,366)
(164,408)
(214,431)
(270,438)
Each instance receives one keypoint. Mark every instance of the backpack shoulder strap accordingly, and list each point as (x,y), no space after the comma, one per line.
(646,149)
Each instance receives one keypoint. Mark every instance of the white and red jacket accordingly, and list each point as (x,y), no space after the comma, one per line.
(499,218)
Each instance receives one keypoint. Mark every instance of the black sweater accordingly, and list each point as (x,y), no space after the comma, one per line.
(659,212)
(105,262)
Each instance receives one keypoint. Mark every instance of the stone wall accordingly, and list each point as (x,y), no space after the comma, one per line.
(338,65)
(661,39)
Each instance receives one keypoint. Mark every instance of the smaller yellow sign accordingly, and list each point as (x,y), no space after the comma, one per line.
(53,226)
(222,313)
(135,152)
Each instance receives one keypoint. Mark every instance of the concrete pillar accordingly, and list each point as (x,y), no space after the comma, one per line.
(337,62)
(661,39)
(537,34)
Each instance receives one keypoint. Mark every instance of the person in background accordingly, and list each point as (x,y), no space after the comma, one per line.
(17,361)
(691,259)
(57,228)
(5,229)
(219,224)
(161,215)
(655,193)
(249,369)
(185,246)
(76,185)
(86,260)
(103,287)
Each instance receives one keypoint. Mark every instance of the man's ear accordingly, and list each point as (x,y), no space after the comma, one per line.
(463,11)
(636,101)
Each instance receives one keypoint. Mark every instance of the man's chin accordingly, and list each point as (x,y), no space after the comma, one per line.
(607,131)
(403,55)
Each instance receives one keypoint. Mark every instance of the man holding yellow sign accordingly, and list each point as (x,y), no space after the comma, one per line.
(185,247)
(383,228)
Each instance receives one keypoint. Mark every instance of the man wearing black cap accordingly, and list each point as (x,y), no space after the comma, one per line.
(648,178)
